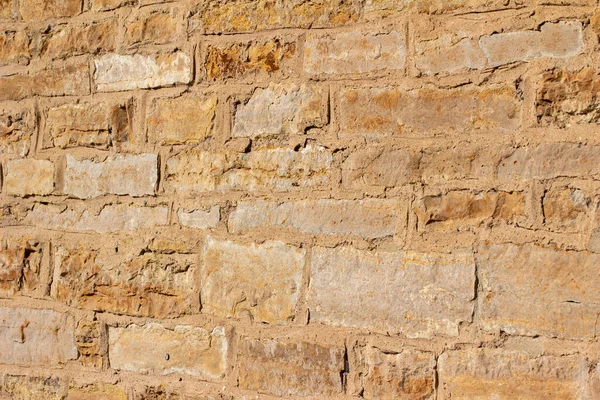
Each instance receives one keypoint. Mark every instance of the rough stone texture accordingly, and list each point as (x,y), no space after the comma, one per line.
(36,10)
(68,40)
(20,387)
(259,281)
(17,126)
(559,40)
(106,5)
(137,176)
(566,209)
(281,109)
(354,52)
(395,375)
(157,28)
(278,170)
(248,15)
(29,177)
(365,218)
(149,284)
(290,369)
(97,391)
(245,59)
(550,160)
(191,350)
(565,99)
(16,47)
(448,55)
(36,337)
(501,374)
(378,166)
(111,218)
(20,265)
(457,209)
(97,125)
(375,112)
(533,290)
(60,81)
(376,199)
(88,339)
(415,294)
(116,72)
(199,218)
(182,120)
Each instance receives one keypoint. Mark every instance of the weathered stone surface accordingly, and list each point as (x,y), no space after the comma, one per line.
(249,59)
(290,369)
(415,294)
(371,218)
(36,337)
(386,111)
(17,126)
(565,99)
(20,265)
(280,170)
(448,55)
(502,375)
(379,166)
(5,9)
(550,160)
(459,208)
(63,81)
(532,290)
(37,10)
(438,165)
(116,72)
(98,125)
(154,349)
(566,209)
(156,28)
(20,387)
(199,218)
(555,40)
(106,5)
(386,374)
(96,391)
(262,281)
(71,40)
(374,10)
(595,22)
(147,284)
(281,109)
(249,15)
(88,336)
(122,174)
(29,177)
(185,119)
(111,218)
(354,52)
(16,47)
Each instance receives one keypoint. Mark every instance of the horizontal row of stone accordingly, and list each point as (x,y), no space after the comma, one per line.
(324,54)
(563,99)
(524,289)
(564,209)
(289,367)
(195,171)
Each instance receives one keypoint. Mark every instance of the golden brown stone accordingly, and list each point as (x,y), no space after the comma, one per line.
(72,40)
(156,28)
(290,369)
(15,47)
(181,120)
(242,59)
(37,10)
(20,265)
(154,285)
(17,125)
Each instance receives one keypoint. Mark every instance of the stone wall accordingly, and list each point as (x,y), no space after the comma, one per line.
(257,199)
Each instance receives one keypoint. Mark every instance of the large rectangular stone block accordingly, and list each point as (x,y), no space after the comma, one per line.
(416,294)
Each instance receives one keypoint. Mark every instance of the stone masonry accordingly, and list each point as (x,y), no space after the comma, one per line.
(299,199)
